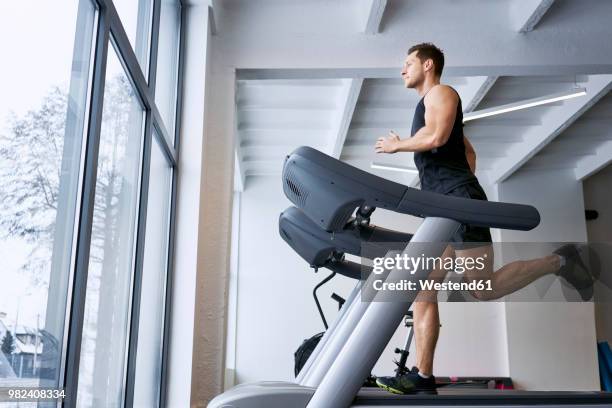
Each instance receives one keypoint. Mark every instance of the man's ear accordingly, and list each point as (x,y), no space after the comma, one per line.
(428,64)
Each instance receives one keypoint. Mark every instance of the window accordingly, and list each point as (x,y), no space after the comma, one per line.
(80,238)
(135,16)
(111,256)
(167,61)
(43,111)
(153,287)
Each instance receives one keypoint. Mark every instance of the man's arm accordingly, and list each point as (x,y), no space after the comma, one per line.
(470,154)
(440,111)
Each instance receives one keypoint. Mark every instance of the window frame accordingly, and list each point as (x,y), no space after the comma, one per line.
(110,28)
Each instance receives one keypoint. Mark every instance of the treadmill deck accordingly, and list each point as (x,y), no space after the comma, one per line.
(455,396)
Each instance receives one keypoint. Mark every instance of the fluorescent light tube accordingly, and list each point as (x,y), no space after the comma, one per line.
(392,167)
(529,103)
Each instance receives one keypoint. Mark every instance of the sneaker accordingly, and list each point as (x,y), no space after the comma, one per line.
(370,381)
(407,383)
(575,272)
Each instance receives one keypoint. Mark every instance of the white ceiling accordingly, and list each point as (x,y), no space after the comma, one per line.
(343,115)
(277,116)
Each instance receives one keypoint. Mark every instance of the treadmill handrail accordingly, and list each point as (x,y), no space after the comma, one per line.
(329,190)
(493,214)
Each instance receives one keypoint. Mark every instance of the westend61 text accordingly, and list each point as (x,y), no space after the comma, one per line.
(475,285)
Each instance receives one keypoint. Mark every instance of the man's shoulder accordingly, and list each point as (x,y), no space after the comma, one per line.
(441,92)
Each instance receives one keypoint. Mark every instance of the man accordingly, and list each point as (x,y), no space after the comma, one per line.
(446,162)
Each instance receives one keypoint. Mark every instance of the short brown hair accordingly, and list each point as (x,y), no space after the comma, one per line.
(427,51)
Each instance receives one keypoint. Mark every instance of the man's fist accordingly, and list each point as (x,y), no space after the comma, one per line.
(387,144)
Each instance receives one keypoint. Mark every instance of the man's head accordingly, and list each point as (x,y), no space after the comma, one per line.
(423,60)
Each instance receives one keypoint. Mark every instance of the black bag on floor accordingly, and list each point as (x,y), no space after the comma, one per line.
(302,354)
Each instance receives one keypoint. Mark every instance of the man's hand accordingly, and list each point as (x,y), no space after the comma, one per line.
(387,144)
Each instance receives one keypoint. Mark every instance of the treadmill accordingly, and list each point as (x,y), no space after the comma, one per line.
(326,194)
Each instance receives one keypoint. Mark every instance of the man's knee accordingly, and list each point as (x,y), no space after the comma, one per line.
(484,271)
(423,307)
(484,295)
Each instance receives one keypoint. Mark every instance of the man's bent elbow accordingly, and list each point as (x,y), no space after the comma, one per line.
(437,142)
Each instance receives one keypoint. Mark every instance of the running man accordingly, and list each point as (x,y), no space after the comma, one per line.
(446,161)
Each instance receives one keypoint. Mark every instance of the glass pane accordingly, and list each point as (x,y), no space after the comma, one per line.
(167,62)
(43,108)
(136,16)
(109,282)
(150,329)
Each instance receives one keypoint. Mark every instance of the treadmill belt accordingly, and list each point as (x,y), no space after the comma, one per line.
(481,397)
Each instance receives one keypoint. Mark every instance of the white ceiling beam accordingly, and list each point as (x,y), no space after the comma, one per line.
(261,167)
(264,35)
(590,165)
(263,173)
(573,147)
(452,71)
(553,123)
(212,24)
(239,171)
(526,14)
(348,97)
(374,13)
(476,94)
(239,176)
(197,3)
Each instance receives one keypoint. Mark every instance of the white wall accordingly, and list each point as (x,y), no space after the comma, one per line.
(551,346)
(188,209)
(275,309)
(203,219)
(597,197)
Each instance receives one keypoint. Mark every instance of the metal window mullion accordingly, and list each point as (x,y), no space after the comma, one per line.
(181,67)
(171,246)
(127,54)
(138,269)
(77,314)
(167,322)
(154,47)
(164,139)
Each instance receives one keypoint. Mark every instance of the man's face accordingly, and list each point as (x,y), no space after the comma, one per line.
(413,72)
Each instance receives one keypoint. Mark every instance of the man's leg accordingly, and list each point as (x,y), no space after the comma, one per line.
(426,326)
(426,320)
(426,331)
(509,278)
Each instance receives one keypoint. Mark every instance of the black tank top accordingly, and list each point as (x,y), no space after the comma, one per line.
(445,168)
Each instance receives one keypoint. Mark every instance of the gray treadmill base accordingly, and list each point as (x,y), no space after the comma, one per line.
(484,398)
(277,394)
(265,394)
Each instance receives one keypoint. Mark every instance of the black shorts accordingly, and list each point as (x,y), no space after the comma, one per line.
(468,233)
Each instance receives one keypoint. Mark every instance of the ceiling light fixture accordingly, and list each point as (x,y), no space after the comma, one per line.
(529,103)
(392,167)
